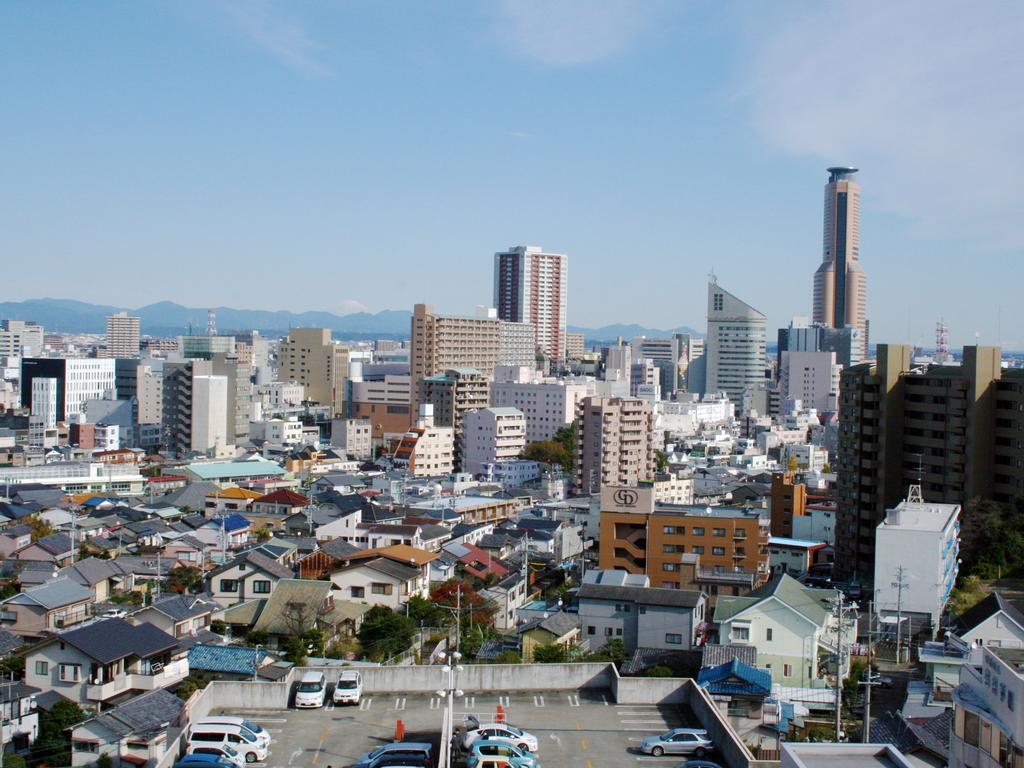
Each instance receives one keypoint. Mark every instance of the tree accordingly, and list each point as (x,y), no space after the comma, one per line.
(295,651)
(475,609)
(315,641)
(659,670)
(40,528)
(218,627)
(614,651)
(568,437)
(257,637)
(103,761)
(385,633)
(12,667)
(546,452)
(660,459)
(427,612)
(549,653)
(14,760)
(53,745)
(184,579)
(508,657)
(792,466)
(261,534)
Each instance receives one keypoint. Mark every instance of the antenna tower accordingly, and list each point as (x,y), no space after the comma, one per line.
(942,354)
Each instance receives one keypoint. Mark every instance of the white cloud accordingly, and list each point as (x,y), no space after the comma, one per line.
(570,32)
(348,306)
(283,37)
(925,97)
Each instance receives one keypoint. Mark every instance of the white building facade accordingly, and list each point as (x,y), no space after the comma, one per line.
(492,435)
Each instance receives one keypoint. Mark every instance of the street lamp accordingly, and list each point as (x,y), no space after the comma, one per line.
(256,662)
(451,668)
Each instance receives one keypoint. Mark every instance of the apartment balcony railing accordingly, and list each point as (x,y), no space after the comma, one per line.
(159,676)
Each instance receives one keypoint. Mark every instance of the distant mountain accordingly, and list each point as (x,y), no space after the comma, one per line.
(166,318)
(628,331)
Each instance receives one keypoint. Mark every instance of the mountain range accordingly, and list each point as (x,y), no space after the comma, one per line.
(165,318)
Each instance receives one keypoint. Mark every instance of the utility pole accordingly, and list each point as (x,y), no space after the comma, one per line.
(899,585)
(868,681)
(839,661)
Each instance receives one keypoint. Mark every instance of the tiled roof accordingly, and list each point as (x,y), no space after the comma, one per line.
(401,553)
(810,602)
(234,469)
(53,594)
(713,654)
(113,639)
(225,658)
(293,606)
(181,607)
(735,678)
(143,714)
(55,543)
(234,493)
(985,609)
(284,496)
(669,598)
(9,642)
(257,560)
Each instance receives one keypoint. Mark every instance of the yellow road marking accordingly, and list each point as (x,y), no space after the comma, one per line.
(579,725)
(583,743)
(320,746)
(590,764)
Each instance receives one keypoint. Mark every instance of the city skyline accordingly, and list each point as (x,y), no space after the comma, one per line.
(371,151)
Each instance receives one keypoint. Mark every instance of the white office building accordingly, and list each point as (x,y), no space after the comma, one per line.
(735,350)
(122,335)
(209,413)
(492,435)
(917,550)
(547,405)
(19,338)
(810,377)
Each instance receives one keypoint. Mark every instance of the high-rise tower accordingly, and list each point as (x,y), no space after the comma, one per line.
(840,285)
(530,287)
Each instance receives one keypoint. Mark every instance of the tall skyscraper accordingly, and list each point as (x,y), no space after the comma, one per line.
(735,345)
(840,285)
(530,287)
(122,335)
(310,357)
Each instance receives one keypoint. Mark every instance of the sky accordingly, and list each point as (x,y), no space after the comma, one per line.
(370,155)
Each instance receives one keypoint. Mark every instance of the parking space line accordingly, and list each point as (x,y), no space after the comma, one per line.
(435,702)
(538,701)
(637,722)
(365,704)
(583,743)
(469,702)
(330,705)
(399,703)
(574,701)
(664,759)
(604,699)
(645,730)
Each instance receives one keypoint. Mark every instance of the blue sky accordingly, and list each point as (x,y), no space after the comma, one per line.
(340,155)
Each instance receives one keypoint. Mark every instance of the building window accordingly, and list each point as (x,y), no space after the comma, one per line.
(720,532)
(669,566)
(768,634)
(698,550)
(591,629)
(671,638)
(70,673)
(86,746)
(698,530)
(358,591)
(228,585)
(718,550)
(42,668)
(261,587)
(669,529)
(741,633)
(787,670)
(618,631)
(378,588)
(642,609)
(1009,700)
(607,631)
(669,548)
(972,728)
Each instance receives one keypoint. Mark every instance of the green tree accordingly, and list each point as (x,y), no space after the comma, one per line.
(427,612)
(550,653)
(546,452)
(792,466)
(53,745)
(219,627)
(568,437)
(184,579)
(261,534)
(104,761)
(967,594)
(14,760)
(315,641)
(660,459)
(257,637)
(659,670)
(614,651)
(508,657)
(295,651)
(385,633)
(12,667)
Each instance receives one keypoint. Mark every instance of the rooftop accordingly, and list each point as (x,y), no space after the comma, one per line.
(920,516)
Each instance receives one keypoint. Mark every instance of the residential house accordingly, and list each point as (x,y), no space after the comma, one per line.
(250,576)
(14,538)
(104,577)
(19,717)
(180,616)
(105,661)
(382,581)
(135,733)
(508,594)
(640,616)
(297,606)
(230,531)
(790,625)
(741,687)
(230,500)
(558,628)
(988,711)
(55,548)
(228,662)
(189,550)
(45,608)
(272,509)
(993,621)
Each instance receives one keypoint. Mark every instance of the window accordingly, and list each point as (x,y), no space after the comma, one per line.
(1009,700)
(787,670)
(358,591)
(718,532)
(228,585)
(591,629)
(718,550)
(669,529)
(607,631)
(618,631)
(42,667)
(669,566)
(741,633)
(972,727)
(698,550)
(768,636)
(86,746)
(668,548)
(378,588)
(261,587)
(70,673)
(698,530)
(642,609)
(672,638)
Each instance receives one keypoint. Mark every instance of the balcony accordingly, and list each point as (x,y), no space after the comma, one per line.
(160,676)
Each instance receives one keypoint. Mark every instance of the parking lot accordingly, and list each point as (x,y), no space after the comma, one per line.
(582,730)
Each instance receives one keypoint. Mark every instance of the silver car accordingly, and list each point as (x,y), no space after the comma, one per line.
(678,741)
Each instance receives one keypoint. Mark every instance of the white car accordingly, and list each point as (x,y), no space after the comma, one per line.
(498,732)
(349,687)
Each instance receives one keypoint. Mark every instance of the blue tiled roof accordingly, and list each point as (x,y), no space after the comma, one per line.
(233,522)
(735,678)
(224,658)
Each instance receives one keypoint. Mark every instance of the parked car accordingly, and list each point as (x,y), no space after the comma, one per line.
(883,681)
(493,749)
(238,738)
(349,687)
(261,734)
(502,731)
(409,748)
(402,760)
(204,761)
(311,691)
(699,764)
(678,741)
(224,751)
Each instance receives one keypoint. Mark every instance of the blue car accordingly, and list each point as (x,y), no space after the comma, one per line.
(410,749)
(204,761)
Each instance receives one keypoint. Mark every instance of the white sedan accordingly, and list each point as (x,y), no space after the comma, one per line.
(499,731)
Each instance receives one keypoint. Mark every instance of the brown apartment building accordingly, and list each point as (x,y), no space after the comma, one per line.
(955,428)
(641,536)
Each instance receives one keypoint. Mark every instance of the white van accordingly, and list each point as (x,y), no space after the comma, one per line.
(311,691)
(235,736)
(349,687)
(254,729)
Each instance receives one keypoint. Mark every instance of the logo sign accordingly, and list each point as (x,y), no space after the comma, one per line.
(625,498)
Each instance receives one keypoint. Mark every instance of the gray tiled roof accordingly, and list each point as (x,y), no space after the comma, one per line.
(113,639)
(55,543)
(671,598)
(143,714)
(715,655)
(9,642)
(90,571)
(257,560)
(53,594)
(391,568)
(180,607)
